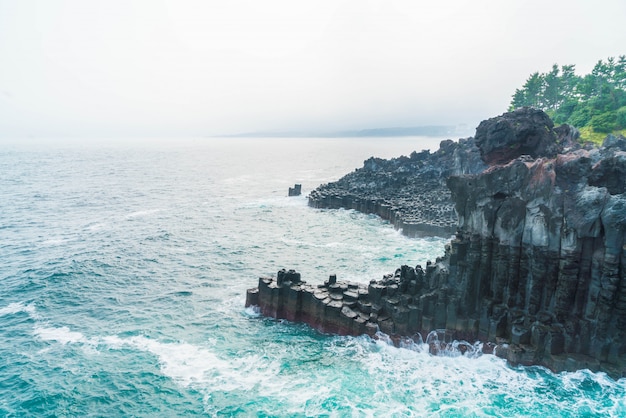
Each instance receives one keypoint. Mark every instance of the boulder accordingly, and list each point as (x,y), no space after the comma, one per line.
(525,131)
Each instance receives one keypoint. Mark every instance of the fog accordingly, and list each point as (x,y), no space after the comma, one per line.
(200,68)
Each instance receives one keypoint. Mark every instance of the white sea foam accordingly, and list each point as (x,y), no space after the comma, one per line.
(54,242)
(378,377)
(335,244)
(199,367)
(96,226)
(445,385)
(401,381)
(183,362)
(17,307)
(253,311)
(141,213)
(62,335)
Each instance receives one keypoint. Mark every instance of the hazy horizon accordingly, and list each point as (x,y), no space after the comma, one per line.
(207,68)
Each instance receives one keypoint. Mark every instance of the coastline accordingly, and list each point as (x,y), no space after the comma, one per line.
(537,265)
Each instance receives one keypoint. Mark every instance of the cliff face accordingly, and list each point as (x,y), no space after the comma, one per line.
(537,266)
(542,255)
(541,250)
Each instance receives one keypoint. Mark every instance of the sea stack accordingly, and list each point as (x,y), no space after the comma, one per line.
(296,190)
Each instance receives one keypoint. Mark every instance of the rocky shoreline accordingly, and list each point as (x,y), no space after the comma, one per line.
(537,267)
(409,192)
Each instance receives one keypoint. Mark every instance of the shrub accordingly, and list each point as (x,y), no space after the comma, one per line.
(581,116)
(605,122)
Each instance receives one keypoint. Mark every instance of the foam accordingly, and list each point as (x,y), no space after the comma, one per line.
(252,311)
(62,335)
(140,213)
(98,226)
(358,375)
(183,362)
(199,367)
(17,307)
(402,380)
(55,242)
(459,384)
(186,364)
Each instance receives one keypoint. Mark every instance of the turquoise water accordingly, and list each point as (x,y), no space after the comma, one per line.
(124,270)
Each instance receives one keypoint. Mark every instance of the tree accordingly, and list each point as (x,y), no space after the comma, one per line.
(552,89)
(597,99)
(519,99)
(531,92)
(569,81)
(620,73)
(604,122)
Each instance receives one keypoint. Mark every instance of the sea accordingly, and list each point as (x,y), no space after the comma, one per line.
(124,265)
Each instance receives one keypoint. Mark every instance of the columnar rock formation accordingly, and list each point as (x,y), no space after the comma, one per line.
(410,192)
(541,249)
(537,267)
(296,190)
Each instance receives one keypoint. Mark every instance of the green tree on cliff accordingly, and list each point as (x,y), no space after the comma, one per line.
(530,93)
(596,101)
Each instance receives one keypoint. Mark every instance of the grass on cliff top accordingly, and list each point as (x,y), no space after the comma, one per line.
(588,135)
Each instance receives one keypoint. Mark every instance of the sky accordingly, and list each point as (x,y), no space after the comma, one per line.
(201,68)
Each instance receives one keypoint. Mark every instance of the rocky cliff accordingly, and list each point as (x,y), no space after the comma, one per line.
(410,192)
(537,266)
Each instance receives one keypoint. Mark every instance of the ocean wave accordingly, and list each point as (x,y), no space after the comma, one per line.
(350,375)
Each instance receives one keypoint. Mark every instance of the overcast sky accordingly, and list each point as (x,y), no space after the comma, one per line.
(193,68)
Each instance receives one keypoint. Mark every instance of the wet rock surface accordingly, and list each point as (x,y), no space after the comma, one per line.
(536,271)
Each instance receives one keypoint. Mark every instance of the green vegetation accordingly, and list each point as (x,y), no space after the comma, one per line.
(594,103)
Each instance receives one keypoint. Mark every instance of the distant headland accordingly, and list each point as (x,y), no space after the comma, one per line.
(429,130)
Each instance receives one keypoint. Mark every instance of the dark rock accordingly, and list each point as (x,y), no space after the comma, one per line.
(252,297)
(612,141)
(610,172)
(567,137)
(525,131)
(296,190)
(409,192)
(536,271)
(332,279)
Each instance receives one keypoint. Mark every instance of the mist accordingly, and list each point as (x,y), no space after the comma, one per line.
(200,68)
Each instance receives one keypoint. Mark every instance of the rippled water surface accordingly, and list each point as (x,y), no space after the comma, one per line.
(124,266)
